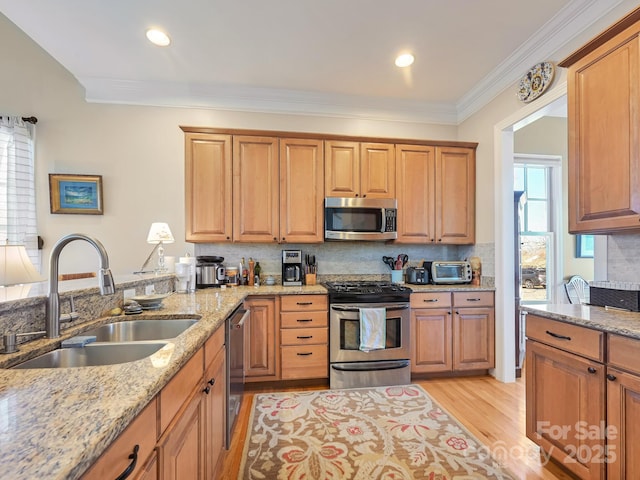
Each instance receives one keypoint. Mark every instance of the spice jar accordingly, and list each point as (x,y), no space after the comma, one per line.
(232,276)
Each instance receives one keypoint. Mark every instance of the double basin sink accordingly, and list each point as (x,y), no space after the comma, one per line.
(118,342)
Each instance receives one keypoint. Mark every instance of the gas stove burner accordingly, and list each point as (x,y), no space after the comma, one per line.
(367,292)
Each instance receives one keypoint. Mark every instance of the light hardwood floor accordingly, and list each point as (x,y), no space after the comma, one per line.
(493,411)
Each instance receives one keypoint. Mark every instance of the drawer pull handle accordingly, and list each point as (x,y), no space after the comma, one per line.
(207,389)
(304,303)
(304,354)
(302,320)
(611,377)
(556,335)
(591,370)
(131,467)
(430,300)
(212,381)
(304,337)
(473,299)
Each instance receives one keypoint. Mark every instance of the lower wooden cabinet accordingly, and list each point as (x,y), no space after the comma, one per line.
(473,331)
(150,469)
(215,414)
(261,340)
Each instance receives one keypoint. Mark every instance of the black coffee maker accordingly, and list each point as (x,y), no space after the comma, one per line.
(291,268)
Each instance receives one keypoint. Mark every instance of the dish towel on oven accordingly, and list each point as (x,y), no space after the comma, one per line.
(373,328)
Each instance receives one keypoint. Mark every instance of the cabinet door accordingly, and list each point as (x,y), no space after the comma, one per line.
(301,191)
(215,414)
(455,195)
(565,395)
(377,170)
(473,338)
(256,206)
(181,448)
(604,137)
(623,418)
(208,181)
(150,469)
(342,169)
(260,340)
(415,187)
(431,340)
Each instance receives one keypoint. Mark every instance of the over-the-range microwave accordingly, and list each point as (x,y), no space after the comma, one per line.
(360,218)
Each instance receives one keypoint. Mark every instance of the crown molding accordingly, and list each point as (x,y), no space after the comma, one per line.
(567,24)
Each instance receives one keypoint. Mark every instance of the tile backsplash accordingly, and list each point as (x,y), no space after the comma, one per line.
(623,258)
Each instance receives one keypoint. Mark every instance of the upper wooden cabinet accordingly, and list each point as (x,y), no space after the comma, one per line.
(208,187)
(255,189)
(604,132)
(354,169)
(301,190)
(436,194)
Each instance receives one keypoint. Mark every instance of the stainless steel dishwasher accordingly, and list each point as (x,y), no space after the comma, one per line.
(235,366)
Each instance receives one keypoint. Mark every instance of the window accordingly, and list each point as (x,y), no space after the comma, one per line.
(17,186)
(534,180)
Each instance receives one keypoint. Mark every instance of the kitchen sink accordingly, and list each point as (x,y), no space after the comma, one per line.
(141,330)
(94,355)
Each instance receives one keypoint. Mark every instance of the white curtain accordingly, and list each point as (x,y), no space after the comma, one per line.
(17,186)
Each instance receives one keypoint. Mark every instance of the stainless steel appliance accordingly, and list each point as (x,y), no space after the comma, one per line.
(360,218)
(210,272)
(351,367)
(235,367)
(291,268)
(417,275)
(449,272)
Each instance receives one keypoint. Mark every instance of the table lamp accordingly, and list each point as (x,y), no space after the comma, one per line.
(16,270)
(159,234)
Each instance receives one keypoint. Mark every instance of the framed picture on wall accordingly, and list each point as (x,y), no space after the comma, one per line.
(79,194)
(584,246)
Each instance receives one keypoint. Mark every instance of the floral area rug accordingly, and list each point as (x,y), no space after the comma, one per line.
(362,434)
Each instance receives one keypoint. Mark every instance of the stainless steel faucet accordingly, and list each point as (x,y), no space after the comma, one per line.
(105,279)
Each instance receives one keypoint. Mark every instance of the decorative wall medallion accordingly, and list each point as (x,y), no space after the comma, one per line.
(535,81)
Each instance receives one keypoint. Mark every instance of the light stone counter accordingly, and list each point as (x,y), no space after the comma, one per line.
(599,318)
(448,288)
(54,423)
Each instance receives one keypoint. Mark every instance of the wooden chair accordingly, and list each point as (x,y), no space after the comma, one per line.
(577,289)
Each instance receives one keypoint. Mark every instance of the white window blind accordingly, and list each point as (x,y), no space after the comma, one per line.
(17,186)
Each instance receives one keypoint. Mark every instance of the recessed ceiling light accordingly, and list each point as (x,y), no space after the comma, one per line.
(158,37)
(404,60)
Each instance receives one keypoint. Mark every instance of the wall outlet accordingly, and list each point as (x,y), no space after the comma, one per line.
(129,292)
(150,289)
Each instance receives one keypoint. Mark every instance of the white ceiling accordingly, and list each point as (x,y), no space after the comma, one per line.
(328,57)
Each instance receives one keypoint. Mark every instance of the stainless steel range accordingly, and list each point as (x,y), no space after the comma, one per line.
(351,366)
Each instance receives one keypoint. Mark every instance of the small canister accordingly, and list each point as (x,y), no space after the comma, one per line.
(232,276)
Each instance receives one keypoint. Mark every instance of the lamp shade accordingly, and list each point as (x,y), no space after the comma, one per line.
(16,267)
(160,232)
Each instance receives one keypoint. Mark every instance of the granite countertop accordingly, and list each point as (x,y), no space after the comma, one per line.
(55,423)
(448,288)
(599,318)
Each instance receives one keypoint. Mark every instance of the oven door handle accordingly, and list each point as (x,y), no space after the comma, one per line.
(355,309)
(368,366)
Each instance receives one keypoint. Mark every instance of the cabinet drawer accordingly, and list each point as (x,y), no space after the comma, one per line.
(213,345)
(304,336)
(304,319)
(297,303)
(473,299)
(178,390)
(431,300)
(141,431)
(623,352)
(572,338)
(305,361)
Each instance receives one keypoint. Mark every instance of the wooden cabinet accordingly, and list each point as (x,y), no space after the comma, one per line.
(256,207)
(121,454)
(436,194)
(261,340)
(566,394)
(604,134)
(354,169)
(208,183)
(450,336)
(304,335)
(301,191)
(473,331)
(431,339)
(215,406)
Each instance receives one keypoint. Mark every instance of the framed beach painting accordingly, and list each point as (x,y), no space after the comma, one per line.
(79,194)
